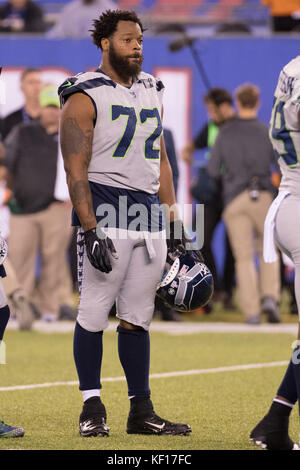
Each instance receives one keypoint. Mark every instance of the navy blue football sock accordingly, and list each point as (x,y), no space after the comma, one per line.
(288,386)
(134,354)
(4,317)
(87,349)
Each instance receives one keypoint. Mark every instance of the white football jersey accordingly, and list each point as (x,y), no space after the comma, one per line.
(126,143)
(284,126)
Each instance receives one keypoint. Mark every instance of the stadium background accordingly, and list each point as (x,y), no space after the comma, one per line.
(223,406)
(228,60)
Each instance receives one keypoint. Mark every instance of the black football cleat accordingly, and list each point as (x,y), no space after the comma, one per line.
(271,433)
(145,421)
(92,421)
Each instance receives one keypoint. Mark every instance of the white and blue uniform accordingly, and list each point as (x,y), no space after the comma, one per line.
(284,126)
(283,220)
(3,254)
(124,175)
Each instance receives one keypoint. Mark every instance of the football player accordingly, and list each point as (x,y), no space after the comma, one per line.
(5,429)
(282,225)
(114,156)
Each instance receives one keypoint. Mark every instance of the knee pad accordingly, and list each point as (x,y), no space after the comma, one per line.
(93,324)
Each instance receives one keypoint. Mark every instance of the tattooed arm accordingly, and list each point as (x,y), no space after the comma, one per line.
(76,135)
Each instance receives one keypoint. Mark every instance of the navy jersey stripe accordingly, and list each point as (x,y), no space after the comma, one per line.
(125,210)
(159,85)
(65,91)
(63,99)
(2,271)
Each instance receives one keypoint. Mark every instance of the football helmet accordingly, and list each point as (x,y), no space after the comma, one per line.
(3,250)
(186,284)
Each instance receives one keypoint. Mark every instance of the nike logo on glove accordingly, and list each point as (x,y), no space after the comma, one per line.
(94,246)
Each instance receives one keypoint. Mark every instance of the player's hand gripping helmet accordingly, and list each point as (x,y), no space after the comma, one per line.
(187,284)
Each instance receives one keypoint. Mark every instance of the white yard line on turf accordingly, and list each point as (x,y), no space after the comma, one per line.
(173,328)
(155,376)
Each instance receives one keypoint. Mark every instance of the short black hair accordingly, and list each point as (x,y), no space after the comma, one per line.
(218,96)
(107,24)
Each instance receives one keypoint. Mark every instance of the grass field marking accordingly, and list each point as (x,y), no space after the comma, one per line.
(153,376)
(218,369)
(173,328)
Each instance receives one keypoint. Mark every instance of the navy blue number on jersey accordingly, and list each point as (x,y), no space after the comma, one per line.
(130,128)
(146,114)
(126,139)
(281,134)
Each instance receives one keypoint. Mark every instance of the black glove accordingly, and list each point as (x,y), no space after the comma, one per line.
(178,240)
(98,249)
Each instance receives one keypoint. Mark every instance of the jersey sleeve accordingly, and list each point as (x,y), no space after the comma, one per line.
(67,88)
(74,85)
(160,88)
(83,83)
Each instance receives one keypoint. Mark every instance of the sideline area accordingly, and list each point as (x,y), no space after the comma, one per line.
(174,328)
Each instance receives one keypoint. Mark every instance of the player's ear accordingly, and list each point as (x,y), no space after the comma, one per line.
(105,44)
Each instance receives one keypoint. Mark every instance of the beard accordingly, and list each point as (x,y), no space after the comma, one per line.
(123,66)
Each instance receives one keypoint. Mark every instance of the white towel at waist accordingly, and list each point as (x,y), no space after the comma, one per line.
(270,255)
(61,191)
(4,221)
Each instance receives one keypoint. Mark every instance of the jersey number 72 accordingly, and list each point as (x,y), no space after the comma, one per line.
(129,132)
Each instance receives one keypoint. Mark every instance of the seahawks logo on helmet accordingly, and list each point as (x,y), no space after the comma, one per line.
(187,285)
(3,250)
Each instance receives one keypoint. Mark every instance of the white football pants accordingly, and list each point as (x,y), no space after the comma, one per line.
(131,284)
(287,235)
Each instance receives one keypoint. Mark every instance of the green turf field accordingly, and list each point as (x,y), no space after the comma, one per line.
(221,406)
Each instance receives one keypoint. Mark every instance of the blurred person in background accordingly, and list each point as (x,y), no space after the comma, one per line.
(76,18)
(21,16)
(17,298)
(40,219)
(220,108)
(285,15)
(244,151)
(31,85)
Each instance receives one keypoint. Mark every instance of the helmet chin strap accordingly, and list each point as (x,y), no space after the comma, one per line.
(171,256)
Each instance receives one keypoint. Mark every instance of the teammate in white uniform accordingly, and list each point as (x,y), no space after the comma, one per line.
(283,226)
(117,169)
(5,429)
